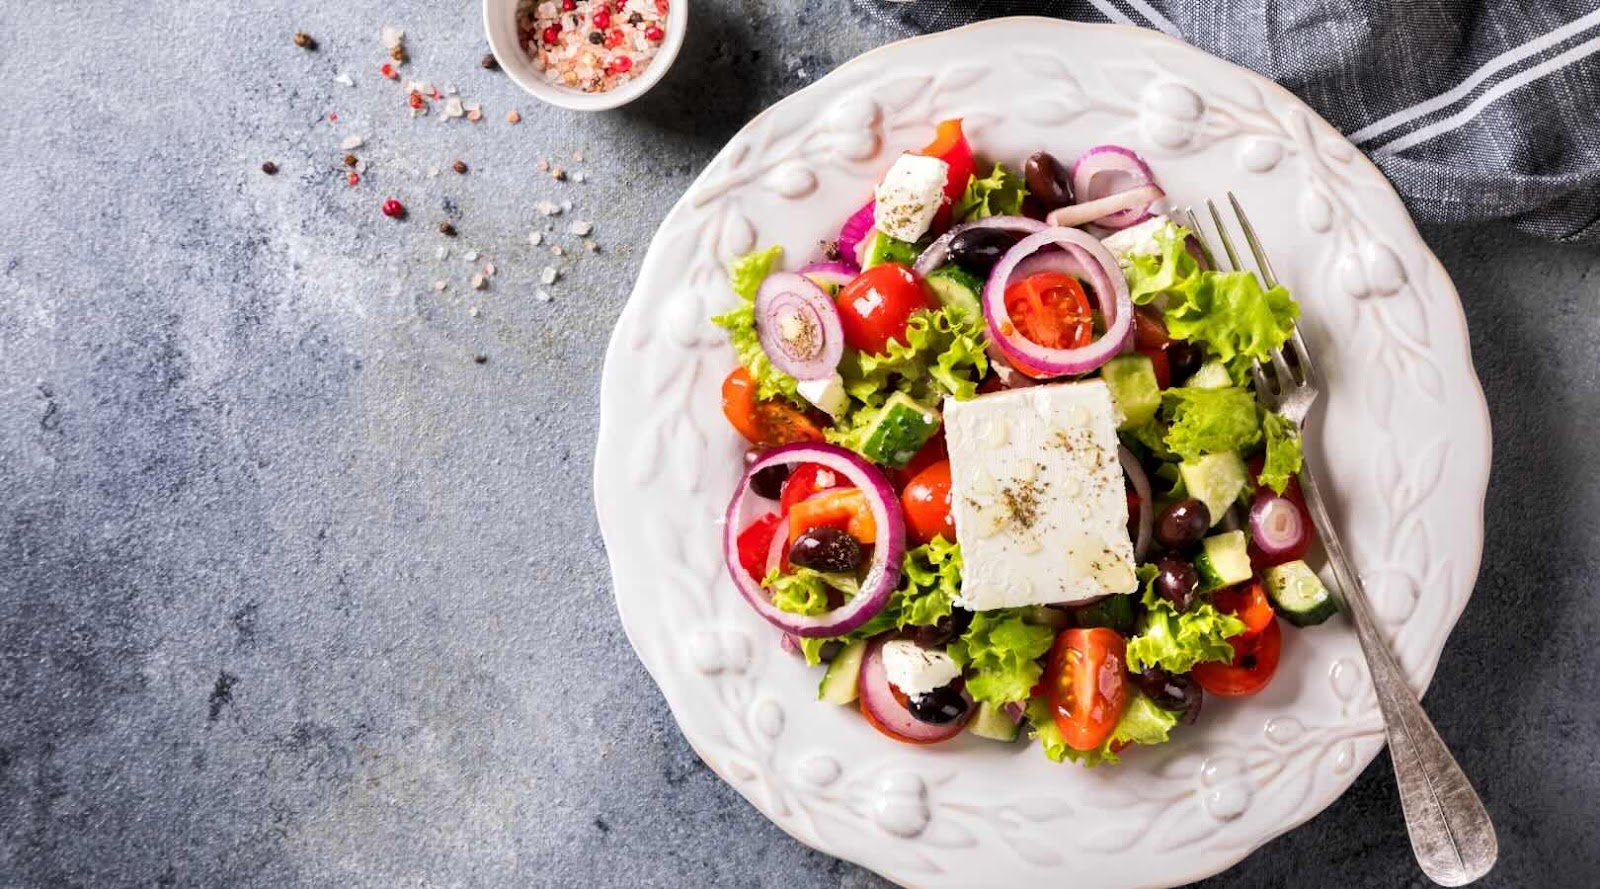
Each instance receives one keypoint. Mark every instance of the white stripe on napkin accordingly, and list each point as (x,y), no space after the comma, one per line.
(1162,23)
(1111,12)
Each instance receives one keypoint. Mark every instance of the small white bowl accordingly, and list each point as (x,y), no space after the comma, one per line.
(500,23)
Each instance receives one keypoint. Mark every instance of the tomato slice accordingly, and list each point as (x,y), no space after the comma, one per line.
(808,479)
(1051,309)
(874,308)
(1087,684)
(950,145)
(926,504)
(1248,602)
(1161,364)
(765,424)
(1250,670)
(755,541)
(842,508)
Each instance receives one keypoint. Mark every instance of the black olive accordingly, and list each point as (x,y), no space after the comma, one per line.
(1175,692)
(826,549)
(1176,581)
(978,249)
(939,634)
(1182,524)
(1048,182)
(768,480)
(940,706)
(1185,359)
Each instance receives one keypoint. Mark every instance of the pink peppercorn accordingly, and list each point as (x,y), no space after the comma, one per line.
(621,64)
(552,34)
(661,7)
(614,39)
(388,71)
(393,208)
(654,34)
(602,20)
(569,5)
(354,179)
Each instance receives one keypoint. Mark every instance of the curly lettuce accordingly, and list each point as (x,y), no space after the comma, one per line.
(999,194)
(1236,320)
(1142,722)
(930,581)
(1175,641)
(1283,457)
(1000,654)
(1171,268)
(806,590)
(1210,421)
(745,275)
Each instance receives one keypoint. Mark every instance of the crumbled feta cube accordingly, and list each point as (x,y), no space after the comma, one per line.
(1140,240)
(916,670)
(827,394)
(909,196)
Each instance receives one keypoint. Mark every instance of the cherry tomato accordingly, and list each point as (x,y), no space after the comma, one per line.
(1051,309)
(926,503)
(808,479)
(1248,602)
(1250,670)
(933,450)
(874,308)
(1149,329)
(1087,684)
(766,424)
(950,145)
(844,508)
(1162,366)
(754,542)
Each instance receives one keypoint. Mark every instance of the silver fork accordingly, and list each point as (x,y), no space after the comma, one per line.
(1451,833)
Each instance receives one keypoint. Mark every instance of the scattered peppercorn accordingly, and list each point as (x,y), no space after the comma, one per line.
(459,166)
(635,19)
(481,359)
(304,40)
(596,37)
(393,208)
(398,53)
(490,63)
(351,160)
(270,168)
(446,229)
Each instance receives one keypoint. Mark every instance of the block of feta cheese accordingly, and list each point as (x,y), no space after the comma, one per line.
(916,670)
(1037,496)
(1138,240)
(909,196)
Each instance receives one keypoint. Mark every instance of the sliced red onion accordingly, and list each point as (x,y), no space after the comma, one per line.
(878,701)
(835,274)
(779,546)
(1147,507)
(799,326)
(1015,710)
(1106,285)
(1278,527)
(883,571)
(788,644)
(939,250)
(1107,170)
(1110,207)
(855,230)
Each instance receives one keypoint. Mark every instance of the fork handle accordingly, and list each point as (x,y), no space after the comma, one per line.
(1451,833)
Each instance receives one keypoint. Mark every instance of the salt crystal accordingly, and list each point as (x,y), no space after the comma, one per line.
(473,106)
(350,142)
(433,171)
(577,156)
(440,285)
(392,37)
(591,246)
(442,253)
(548,275)
(580,228)
(479,282)
(452,107)
(542,166)
(580,176)
(547,208)
(558,251)
(542,296)
(450,89)
(344,78)
(566,206)
(536,238)
(470,256)
(474,311)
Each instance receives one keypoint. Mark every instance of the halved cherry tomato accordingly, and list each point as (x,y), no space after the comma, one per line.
(1250,670)
(1162,366)
(933,450)
(808,479)
(874,308)
(842,508)
(754,542)
(926,503)
(1051,309)
(1087,684)
(1248,602)
(950,145)
(766,424)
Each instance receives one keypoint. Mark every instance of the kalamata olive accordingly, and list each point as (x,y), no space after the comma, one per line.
(1149,329)
(1047,180)
(1184,359)
(1175,692)
(1176,580)
(940,706)
(978,249)
(826,549)
(768,481)
(939,634)
(1182,524)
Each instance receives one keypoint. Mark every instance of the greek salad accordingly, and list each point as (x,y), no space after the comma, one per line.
(1007,474)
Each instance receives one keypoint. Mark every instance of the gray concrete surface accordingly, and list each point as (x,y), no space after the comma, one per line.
(296,591)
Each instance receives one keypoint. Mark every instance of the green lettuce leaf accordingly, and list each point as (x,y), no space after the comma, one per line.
(930,579)
(745,275)
(1151,436)
(998,194)
(1000,652)
(1173,270)
(805,590)
(1233,317)
(1176,641)
(1210,421)
(1283,458)
(1142,722)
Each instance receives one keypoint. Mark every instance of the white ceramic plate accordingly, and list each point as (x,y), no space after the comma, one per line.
(1404,438)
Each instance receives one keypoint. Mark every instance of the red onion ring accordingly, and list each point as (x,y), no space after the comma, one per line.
(939,250)
(1109,207)
(855,230)
(779,546)
(879,702)
(1108,170)
(836,273)
(1277,526)
(1147,507)
(786,294)
(1107,286)
(883,571)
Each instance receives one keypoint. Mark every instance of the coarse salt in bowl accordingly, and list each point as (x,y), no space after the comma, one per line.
(566,66)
